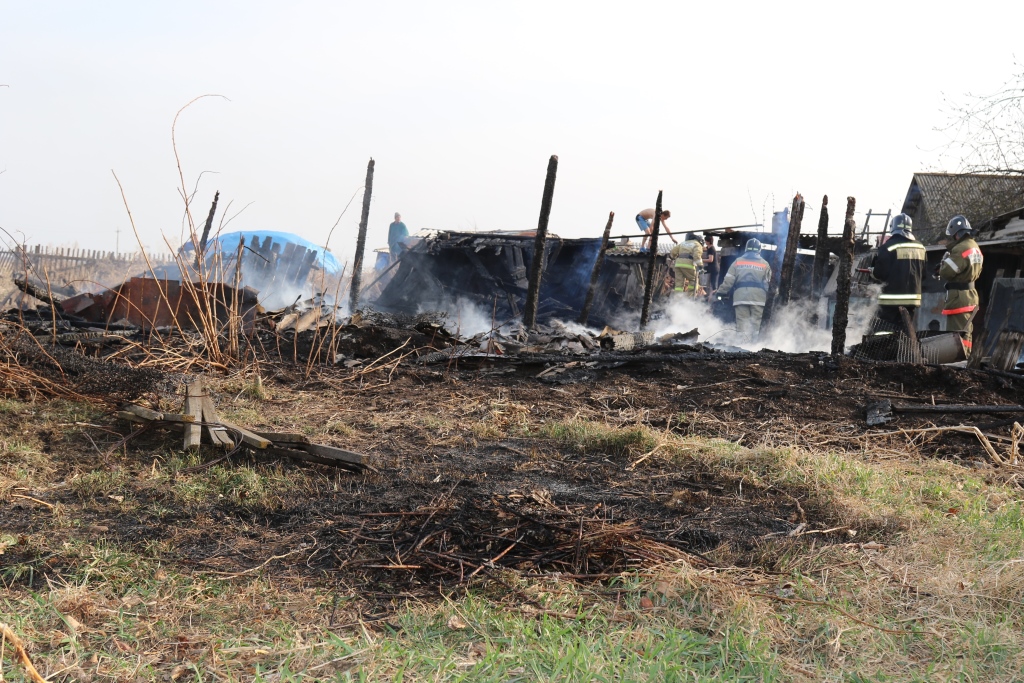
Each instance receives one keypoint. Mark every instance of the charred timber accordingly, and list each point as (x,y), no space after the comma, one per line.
(841,317)
(357,264)
(206,228)
(820,251)
(652,263)
(596,273)
(789,256)
(539,246)
(782,264)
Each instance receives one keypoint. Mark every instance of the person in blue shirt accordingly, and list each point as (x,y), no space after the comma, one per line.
(397,232)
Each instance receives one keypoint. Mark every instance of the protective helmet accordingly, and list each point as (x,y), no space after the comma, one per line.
(691,236)
(753,244)
(957,225)
(901,224)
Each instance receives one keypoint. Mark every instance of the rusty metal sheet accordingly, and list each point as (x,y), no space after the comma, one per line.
(151,303)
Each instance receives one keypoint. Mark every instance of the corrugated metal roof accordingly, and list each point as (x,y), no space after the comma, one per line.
(934,198)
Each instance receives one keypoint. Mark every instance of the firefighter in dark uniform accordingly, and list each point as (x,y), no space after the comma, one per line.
(959,268)
(900,265)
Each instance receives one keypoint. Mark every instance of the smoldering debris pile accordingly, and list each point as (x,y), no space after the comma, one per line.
(126,321)
(489,271)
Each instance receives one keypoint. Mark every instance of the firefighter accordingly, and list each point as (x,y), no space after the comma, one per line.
(687,257)
(900,265)
(748,279)
(959,268)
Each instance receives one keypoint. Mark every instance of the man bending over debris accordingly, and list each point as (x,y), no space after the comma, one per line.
(899,263)
(959,268)
(748,279)
(645,219)
(397,232)
(687,257)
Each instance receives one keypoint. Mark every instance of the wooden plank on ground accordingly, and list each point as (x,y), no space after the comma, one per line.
(178,417)
(131,417)
(284,437)
(216,432)
(309,457)
(333,453)
(144,413)
(248,438)
(194,407)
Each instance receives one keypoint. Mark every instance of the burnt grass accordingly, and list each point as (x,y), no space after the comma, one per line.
(446,505)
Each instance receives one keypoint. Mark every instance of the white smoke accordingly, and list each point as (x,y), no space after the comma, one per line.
(791,329)
(466,318)
(571,327)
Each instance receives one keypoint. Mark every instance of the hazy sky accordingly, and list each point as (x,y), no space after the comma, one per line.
(727,107)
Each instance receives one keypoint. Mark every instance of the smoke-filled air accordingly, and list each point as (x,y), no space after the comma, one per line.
(790,330)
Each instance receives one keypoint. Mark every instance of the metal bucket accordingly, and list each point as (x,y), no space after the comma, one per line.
(943,348)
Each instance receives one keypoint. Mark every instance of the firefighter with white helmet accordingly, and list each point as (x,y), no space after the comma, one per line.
(900,264)
(747,280)
(959,269)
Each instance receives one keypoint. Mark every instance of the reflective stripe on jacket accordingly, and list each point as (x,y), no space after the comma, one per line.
(747,279)
(687,254)
(900,264)
(961,265)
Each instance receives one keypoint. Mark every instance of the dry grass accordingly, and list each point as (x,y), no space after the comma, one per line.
(927,587)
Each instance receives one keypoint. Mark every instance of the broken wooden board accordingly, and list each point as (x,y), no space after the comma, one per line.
(157,416)
(1007,350)
(332,454)
(203,418)
(248,438)
(284,437)
(194,406)
(214,429)
(312,457)
(129,416)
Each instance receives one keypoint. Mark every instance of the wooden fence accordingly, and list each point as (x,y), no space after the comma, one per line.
(63,265)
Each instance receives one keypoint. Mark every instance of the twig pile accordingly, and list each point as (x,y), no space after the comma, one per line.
(526,532)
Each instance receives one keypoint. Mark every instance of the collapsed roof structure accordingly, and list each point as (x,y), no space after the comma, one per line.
(490,270)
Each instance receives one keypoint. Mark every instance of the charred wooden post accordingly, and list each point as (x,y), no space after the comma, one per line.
(820,251)
(539,246)
(206,228)
(596,272)
(841,317)
(357,266)
(789,257)
(652,264)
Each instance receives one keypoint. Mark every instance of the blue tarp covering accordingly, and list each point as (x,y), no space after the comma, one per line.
(228,243)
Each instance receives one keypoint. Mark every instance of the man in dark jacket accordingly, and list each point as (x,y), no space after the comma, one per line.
(711,266)
(899,264)
(959,268)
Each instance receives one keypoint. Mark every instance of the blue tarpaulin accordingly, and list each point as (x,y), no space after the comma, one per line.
(228,244)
